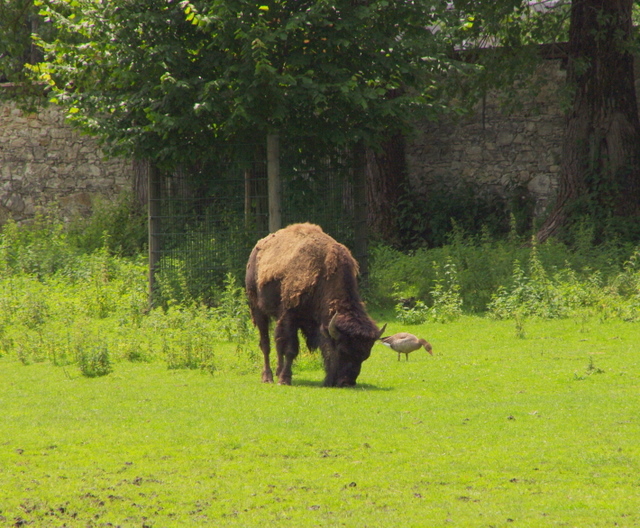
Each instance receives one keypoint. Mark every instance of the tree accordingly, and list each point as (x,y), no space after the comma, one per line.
(172,82)
(15,30)
(125,71)
(18,21)
(600,171)
(167,80)
(600,167)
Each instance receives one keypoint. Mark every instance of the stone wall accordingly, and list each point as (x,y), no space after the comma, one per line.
(43,161)
(500,151)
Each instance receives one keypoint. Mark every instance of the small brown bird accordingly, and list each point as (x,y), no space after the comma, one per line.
(404,343)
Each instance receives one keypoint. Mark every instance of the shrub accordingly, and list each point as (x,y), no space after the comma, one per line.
(490,276)
(411,313)
(445,295)
(119,225)
(68,306)
(479,269)
(39,248)
(94,360)
(193,269)
(533,292)
(188,350)
(475,208)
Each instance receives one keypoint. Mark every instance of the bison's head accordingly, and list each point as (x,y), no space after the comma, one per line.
(350,339)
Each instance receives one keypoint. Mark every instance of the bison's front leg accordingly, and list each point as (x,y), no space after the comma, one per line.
(287,345)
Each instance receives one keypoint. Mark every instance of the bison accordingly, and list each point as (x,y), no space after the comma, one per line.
(305,280)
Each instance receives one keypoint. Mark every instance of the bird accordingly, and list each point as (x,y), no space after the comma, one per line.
(404,343)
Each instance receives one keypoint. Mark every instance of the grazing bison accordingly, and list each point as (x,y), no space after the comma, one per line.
(306,281)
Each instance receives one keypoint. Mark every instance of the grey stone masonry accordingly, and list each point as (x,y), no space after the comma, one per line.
(44,161)
(496,149)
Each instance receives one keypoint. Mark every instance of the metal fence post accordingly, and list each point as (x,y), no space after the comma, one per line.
(154,227)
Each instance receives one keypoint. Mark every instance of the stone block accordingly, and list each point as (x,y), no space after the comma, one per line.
(13,203)
(504,138)
(540,185)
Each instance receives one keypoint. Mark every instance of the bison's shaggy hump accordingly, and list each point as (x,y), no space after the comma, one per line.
(307,249)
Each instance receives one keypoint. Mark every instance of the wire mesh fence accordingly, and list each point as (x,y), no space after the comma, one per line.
(204,220)
(319,191)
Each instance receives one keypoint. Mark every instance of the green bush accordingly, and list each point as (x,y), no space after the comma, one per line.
(94,361)
(411,312)
(232,313)
(467,205)
(489,275)
(532,292)
(47,244)
(480,267)
(120,226)
(89,308)
(447,302)
(39,248)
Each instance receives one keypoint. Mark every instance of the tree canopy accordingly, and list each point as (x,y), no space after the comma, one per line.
(18,21)
(168,80)
(165,80)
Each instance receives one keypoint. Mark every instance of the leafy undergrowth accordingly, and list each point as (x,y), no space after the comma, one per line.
(492,430)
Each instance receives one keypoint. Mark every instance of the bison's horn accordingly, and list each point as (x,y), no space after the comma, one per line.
(333,329)
(382,330)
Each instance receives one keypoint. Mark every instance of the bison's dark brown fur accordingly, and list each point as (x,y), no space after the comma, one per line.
(305,280)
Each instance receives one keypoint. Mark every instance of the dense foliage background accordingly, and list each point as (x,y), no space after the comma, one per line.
(77,294)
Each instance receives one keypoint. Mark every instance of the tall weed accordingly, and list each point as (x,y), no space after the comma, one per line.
(232,313)
(549,280)
(39,248)
(447,302)
(534,293)
(61,304)
(531,293)
(445,295)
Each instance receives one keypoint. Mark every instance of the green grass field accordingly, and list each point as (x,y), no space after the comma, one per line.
(493,430)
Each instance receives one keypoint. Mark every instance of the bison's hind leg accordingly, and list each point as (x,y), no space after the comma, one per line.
(262,322)
(288,346)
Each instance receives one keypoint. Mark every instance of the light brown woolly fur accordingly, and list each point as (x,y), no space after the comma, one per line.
(307,249)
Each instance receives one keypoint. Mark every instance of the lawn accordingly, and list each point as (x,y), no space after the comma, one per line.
(493,430)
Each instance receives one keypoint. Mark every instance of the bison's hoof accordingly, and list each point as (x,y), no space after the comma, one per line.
(267,377)
(284,381)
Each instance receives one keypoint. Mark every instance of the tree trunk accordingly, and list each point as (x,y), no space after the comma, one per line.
(141,183)
(275,186)
(386,181)
(600,169)
(361,245)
